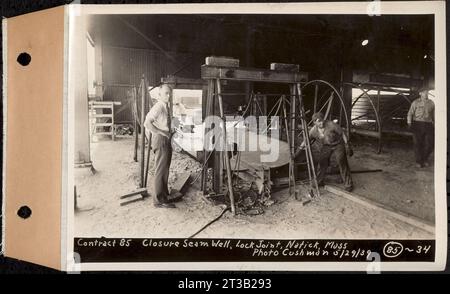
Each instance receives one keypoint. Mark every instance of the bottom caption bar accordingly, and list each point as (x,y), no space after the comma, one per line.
(254,250)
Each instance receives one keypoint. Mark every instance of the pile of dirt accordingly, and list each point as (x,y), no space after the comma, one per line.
(180,164)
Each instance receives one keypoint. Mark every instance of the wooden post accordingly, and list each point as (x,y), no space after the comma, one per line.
(226,158)
(293,116)
(135,124)
(208,101)
(293,111)
(147,164)
(341,92)
(291,166)
(142,159)
(149,103)
(380,139)
(112,122)
(217,155)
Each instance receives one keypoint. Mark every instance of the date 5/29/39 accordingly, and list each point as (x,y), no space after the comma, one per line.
(246,283)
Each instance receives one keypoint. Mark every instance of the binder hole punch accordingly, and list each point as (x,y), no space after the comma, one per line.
(24,212)
(24,59)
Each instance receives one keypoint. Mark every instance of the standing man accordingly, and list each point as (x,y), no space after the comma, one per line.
(421,122)
(332,141)
(158,121)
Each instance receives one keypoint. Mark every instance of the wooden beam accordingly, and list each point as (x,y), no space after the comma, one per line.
(401,216)
(184,83)
(252,75)
(140,191)
(369,133)
(386,80)
(400,133)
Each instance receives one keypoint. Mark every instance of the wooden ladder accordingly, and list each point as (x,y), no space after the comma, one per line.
(106,119)
(312,177)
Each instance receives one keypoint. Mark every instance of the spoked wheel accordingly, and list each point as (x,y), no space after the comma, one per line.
(365,117)
(321,96)
(372,115)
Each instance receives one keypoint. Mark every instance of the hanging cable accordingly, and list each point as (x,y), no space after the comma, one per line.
(210,223)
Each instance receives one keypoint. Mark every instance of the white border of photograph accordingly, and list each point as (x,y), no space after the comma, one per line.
(374,8)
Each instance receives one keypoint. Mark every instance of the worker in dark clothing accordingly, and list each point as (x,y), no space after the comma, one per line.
(332,141)
(421,122)
(158,121)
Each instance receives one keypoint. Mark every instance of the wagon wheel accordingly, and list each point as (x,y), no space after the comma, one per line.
(397,110)
(365,117)
(321,96)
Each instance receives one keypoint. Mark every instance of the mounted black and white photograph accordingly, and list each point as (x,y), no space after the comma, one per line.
(256,132)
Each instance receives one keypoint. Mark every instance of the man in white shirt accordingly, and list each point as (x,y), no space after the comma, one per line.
(158,121)
(421,121)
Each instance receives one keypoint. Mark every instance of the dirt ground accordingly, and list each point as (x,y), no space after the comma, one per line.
(400,185)
(328,216)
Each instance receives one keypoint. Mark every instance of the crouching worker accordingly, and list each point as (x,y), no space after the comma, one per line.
(158,121)
(332,141)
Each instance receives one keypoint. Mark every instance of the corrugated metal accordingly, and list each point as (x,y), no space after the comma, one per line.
(122,66)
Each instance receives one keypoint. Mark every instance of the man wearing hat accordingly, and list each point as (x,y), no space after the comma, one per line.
(332,142)
(421,122)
